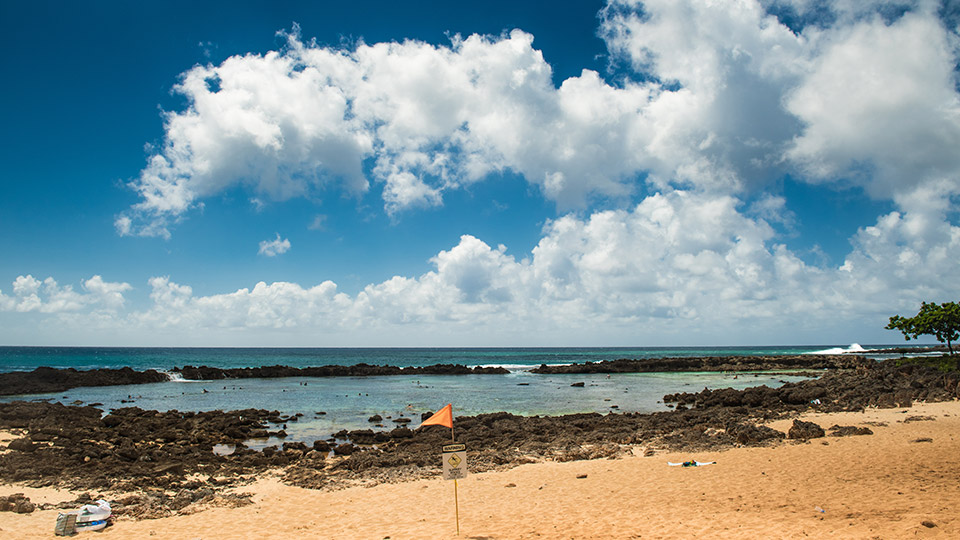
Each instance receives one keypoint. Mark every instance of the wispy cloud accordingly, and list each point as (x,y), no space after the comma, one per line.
(319,223)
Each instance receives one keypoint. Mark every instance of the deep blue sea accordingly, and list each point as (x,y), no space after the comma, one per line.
(348,402)
(28,358)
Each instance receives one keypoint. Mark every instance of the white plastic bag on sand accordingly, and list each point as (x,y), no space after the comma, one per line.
(102,507)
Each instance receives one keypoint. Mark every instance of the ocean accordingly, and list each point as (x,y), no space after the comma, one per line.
(331,404)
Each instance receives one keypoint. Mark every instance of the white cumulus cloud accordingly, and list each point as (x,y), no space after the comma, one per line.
(732,98)
(272,248)
(33,295)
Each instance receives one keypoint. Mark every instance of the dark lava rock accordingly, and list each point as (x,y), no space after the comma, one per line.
(753,435)
(872,383)
(17,503)
(401,433)
(362,436)
(46,379)
(299,446)
(316,455)
(845,431)
(22,445)
(204,373)
(805,430)
(708,363)
(344,449)
(321,446)
(129,449)
(375,418)
(128,452)
(577,385)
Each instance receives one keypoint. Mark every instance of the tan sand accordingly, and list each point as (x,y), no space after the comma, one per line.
(878,486)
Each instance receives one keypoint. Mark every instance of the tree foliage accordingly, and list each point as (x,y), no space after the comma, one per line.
(939,320)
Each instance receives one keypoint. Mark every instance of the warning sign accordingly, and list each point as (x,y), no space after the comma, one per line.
(454,462)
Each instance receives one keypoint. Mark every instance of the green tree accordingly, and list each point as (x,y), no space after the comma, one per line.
(939,320)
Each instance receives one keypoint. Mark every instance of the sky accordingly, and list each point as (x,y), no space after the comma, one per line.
(622,173)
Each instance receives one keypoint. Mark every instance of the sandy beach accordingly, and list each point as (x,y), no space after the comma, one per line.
(900,482)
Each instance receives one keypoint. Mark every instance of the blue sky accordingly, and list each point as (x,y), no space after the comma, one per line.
(658,173)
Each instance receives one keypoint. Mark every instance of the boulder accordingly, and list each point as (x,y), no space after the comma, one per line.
(752,435)
(315,455)
(24,507)
(22,445)
(344,449)
(805,430)
(845,431)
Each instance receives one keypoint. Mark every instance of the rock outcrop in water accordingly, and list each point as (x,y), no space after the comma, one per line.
(206,373)
(710,363)
(46,379)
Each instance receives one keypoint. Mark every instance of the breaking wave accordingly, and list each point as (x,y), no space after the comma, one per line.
(854,348)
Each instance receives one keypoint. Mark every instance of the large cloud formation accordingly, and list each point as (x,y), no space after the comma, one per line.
(731,97)
(714,103)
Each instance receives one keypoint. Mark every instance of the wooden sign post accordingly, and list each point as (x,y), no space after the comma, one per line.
(455,468)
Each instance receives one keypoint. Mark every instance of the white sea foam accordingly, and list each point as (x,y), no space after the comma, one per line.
(854,348)
(513,368)
(176,376)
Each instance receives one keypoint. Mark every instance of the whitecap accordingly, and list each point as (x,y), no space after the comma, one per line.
(854,348)
(514,368)
(176,376)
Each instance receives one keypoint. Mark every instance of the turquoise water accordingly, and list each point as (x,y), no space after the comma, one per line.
(349,401)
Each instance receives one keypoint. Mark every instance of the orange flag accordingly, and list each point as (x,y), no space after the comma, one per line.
(443,417)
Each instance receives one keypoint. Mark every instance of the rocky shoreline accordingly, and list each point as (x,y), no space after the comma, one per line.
(168,461)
